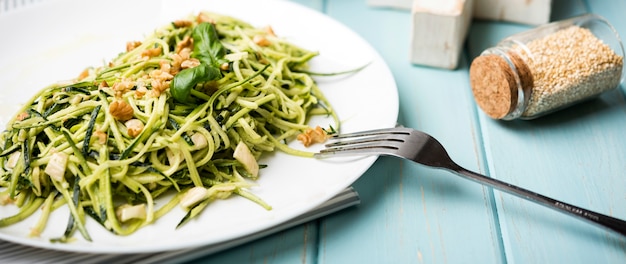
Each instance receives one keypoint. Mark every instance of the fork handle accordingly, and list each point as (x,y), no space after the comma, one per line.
(606,221)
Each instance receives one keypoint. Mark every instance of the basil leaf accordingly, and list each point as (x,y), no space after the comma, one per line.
(210,52)
(207,47)
(187,79)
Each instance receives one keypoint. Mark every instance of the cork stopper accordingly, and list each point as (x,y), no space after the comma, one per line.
(523,72)
(493,85)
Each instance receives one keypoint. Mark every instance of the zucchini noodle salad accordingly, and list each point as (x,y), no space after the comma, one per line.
(184,114)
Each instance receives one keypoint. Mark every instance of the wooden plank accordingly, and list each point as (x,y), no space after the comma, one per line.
(409,213)
(576,155)
(295,245)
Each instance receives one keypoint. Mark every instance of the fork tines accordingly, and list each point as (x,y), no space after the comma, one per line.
(371,142)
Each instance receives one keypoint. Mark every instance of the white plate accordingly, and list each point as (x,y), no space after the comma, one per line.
(56,39)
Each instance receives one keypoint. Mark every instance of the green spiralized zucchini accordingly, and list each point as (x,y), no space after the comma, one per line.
(163,117)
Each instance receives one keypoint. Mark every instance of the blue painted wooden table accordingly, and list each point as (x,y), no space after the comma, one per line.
(413,214)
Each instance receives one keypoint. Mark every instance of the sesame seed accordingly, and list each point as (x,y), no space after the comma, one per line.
(568,66)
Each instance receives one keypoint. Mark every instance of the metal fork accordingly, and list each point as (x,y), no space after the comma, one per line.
(422,148)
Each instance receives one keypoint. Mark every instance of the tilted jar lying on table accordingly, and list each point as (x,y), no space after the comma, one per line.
(550,67)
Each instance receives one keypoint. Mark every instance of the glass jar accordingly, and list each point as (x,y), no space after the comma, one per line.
(539,71)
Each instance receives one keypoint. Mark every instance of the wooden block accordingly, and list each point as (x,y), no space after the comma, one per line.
(533,12)
(399,4)
(438,30)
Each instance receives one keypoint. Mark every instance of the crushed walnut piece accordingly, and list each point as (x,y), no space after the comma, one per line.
(158,87)
(121,110)
(152,52)
(312,136)
(141,91)
(122,87)
(203,17)
(270,31)
(134,127)
(160,80)
(225,66)
(190,63)
(182,60)
(84,74)
(131,45)
(103,84)
(182,23)
(21,116)
(187,42)
(165,66)
(160,75)
(185,53)
(5,199)
(101,136)
(261,41)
